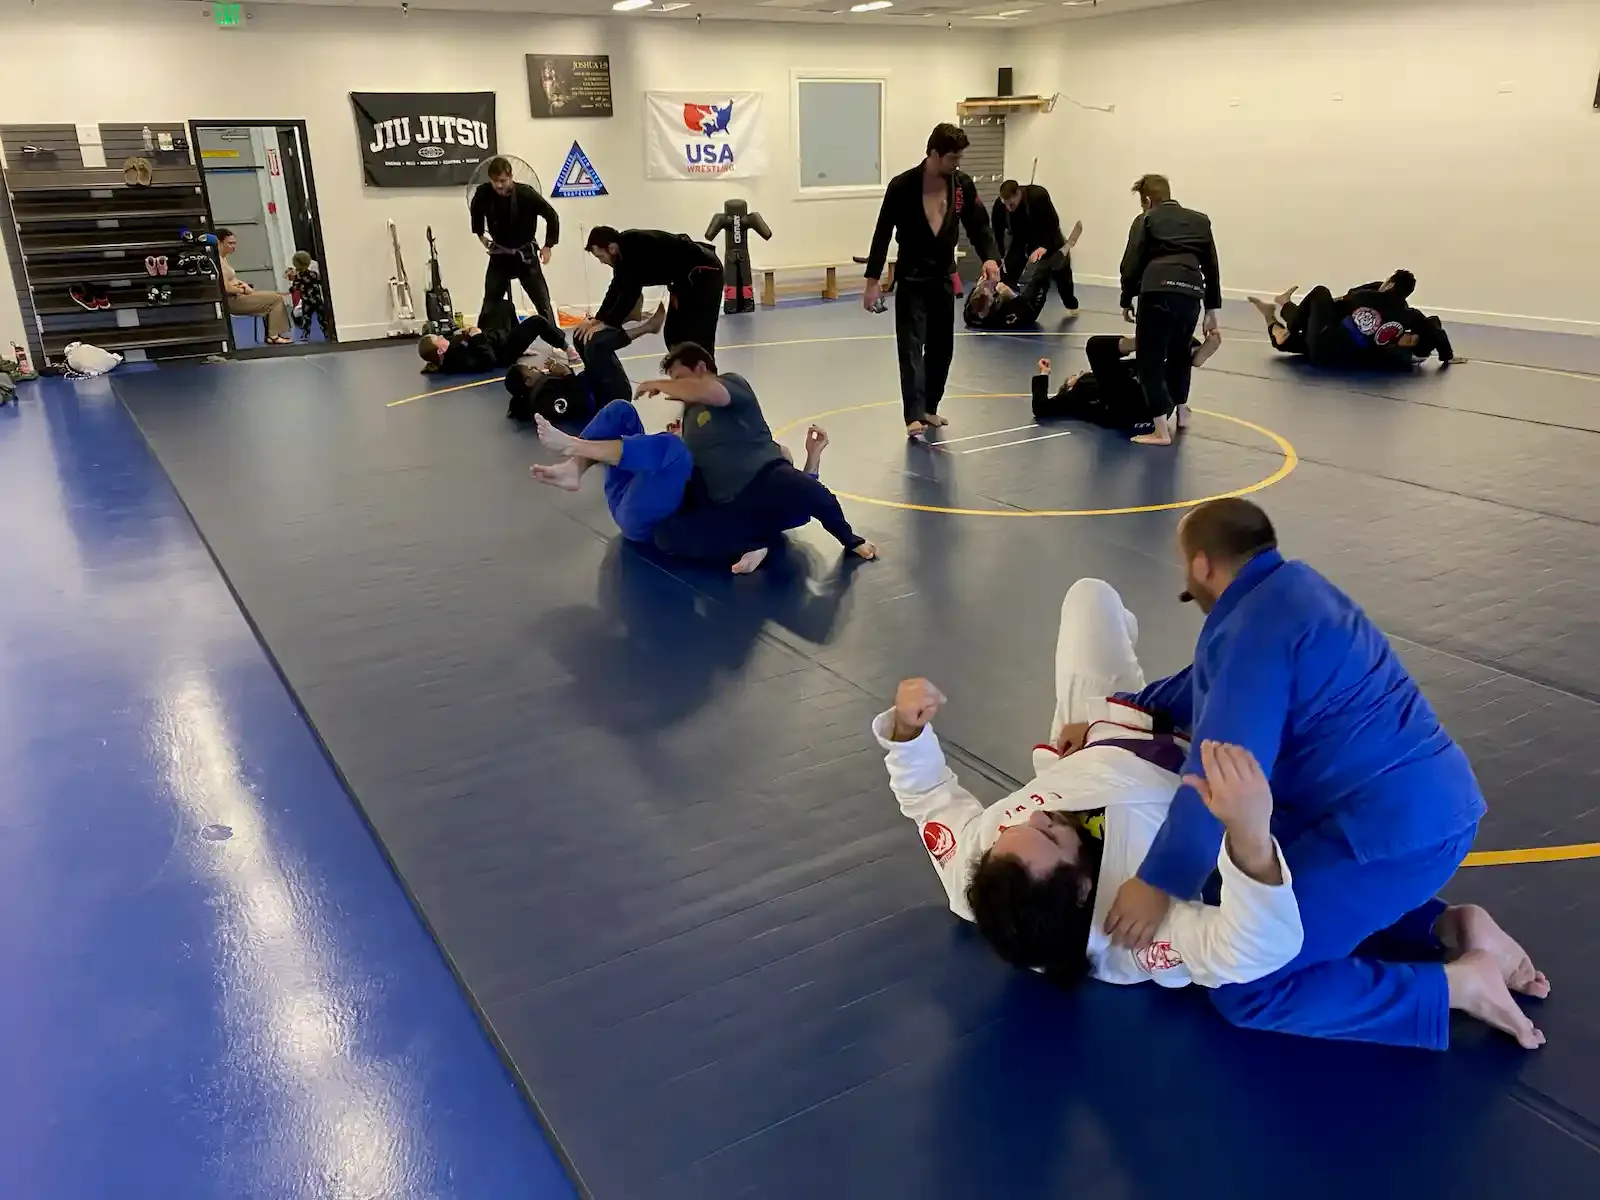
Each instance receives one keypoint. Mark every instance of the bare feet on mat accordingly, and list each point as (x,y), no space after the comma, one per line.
(915,429)
(1477,989)
(750,561)
(1285,296)
(658,319)
(1267,308)
(566,474)
(551,436)
(1465,927)
(866,551)
(935,421)
(1162,436)
(1183,417)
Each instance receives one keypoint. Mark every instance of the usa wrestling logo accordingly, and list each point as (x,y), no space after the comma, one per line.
(941,843)
(709,157)
(1158,956)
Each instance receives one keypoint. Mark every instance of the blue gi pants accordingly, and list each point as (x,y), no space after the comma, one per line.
(647,485)
(1363,973)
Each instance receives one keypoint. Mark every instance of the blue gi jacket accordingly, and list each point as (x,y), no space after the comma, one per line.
(1290,667)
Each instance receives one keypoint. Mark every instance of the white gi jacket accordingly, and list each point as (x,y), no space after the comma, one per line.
(1255,931)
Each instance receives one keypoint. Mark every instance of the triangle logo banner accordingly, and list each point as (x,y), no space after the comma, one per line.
(577,180)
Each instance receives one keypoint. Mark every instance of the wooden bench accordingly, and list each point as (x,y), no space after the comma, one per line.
(830,278)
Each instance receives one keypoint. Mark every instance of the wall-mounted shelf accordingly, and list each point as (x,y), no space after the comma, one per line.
(72,223)
(999,106)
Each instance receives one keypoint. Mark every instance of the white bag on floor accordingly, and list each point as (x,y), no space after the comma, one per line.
(90,360)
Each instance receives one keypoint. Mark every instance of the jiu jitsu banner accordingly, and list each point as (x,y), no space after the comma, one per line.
(423,139)
(704,135)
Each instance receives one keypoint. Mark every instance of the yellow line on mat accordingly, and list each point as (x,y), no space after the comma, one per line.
(1533,854)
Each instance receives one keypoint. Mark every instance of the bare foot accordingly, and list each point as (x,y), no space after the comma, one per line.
(553,437)
(566,474)
(1285,296)
(658,319)
(1043,367)
(1183,417)
(935,421)
(1267,308)
(1071,312)
(1465,927)
(1161,436)
(750,561)
(915,429)
(866,551)
(1477,989)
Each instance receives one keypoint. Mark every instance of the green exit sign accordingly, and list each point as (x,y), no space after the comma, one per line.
(228,15)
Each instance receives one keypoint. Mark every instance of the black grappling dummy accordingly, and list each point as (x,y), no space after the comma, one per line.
(738,286)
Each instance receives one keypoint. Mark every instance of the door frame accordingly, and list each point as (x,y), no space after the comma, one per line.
(319,246)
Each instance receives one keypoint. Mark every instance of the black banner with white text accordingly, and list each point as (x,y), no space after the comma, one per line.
(423,139)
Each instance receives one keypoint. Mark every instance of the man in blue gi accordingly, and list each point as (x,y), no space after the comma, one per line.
(1376,804)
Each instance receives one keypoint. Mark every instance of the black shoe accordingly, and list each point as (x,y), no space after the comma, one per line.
(80,297)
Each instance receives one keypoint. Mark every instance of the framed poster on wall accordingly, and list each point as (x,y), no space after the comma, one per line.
(560,86)
(423,139)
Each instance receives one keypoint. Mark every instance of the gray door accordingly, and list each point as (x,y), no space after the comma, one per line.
(228,158)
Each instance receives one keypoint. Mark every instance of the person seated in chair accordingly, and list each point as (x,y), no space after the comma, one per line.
(245,301)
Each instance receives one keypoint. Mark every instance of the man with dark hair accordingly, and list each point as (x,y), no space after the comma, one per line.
(505,218)
(1107,394)
(1170,266)
(1376,805)
(924,210)
(744,492)
(474,350)
(1372,326)
(553,390)
(1028,227)
(641,258)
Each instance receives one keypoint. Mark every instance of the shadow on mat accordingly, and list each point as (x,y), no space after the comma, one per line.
(663,635)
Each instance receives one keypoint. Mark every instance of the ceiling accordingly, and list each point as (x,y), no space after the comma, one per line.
(974,14)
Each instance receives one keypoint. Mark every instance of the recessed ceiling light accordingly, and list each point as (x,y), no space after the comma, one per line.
(872,6)
(630,5)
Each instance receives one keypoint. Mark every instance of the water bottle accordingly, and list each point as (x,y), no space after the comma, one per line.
(149,139)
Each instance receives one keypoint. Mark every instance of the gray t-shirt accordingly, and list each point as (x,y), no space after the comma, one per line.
(730,445)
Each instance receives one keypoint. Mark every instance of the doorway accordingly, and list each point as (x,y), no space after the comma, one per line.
(262,197)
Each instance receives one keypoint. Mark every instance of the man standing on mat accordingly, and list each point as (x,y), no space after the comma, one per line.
(640,258)
(744,491)
(1170,265)
(924,210)
(505,218)
(1376,805)
(1036,241)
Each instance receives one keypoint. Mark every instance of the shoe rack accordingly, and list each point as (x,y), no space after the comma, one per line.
(79,228)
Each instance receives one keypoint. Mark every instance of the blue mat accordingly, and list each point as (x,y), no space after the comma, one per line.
(641,811)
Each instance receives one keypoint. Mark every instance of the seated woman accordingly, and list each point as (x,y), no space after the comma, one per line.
(1108,393)
(245,301)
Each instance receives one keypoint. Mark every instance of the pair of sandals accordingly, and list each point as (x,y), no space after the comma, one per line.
(137,172)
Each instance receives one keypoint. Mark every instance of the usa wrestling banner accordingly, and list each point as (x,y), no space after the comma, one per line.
(695,135)
(423,139)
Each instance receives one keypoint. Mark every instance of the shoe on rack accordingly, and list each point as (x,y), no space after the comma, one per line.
(80,296)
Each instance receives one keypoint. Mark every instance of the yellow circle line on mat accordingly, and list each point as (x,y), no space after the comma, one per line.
(1291,459)
(1533,854)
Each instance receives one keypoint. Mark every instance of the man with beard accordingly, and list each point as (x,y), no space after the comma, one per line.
(1376,805)
(924,210)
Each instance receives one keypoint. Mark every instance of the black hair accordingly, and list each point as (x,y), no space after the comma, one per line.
(947,139)
(1037,923)
(499,165)
(602,236)
(224,234)
(688,354)
(1404,283)
(1232,530)
(1009,189)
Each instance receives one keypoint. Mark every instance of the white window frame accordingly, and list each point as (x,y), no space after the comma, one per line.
(853,191)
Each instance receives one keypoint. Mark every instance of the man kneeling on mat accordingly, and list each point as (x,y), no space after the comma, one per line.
(1038,870)
(1370,327)
(500,343)
(724,491)
(1108,393)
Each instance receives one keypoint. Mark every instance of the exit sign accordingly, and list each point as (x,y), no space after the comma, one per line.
(228,16)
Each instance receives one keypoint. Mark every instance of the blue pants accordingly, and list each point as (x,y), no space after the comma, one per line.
(647,485)
(781,497)
(1364,973)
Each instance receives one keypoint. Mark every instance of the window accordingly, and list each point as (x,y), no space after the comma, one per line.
(839,123)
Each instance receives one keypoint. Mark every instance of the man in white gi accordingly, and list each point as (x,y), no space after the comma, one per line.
(1037,869)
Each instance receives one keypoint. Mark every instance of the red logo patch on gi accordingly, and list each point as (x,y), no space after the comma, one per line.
(1158,956)
(941,843)
(1387,332)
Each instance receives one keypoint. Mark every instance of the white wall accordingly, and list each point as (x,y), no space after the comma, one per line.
(304,62)
(1465,145)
